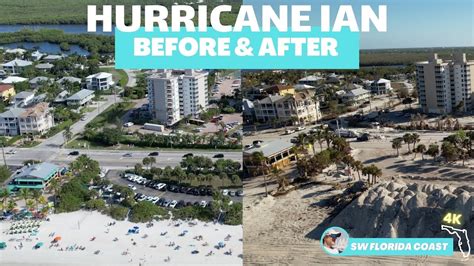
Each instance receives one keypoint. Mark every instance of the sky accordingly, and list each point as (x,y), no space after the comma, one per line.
(411,23)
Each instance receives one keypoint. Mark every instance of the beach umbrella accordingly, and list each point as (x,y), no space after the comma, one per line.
(56,239)
(3,245)
(38,245)
(136,227)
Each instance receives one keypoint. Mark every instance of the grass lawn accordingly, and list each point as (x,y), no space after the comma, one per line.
(87,109)
(110,115)
(120,77)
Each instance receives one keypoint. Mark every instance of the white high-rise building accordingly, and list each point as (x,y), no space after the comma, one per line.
(445,86)
(163,97)
(193,93)
(176,94)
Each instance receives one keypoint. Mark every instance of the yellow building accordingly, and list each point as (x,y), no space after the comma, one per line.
(278,154)
(7,91)
(280,90)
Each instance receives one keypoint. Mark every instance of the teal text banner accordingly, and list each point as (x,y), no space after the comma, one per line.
(399,247)
(290,57)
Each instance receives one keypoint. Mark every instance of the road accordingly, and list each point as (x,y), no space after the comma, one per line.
(58,139)
(110,159)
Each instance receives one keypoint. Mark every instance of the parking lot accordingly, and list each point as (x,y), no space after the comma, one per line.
(115,177)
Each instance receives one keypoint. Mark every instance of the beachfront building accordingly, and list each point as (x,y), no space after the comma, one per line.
(265,109)
(36,176)
(34,120)
(176,94)
(445,86)
(16,66)
(193,92)
(300,107)
(380,86)
(99,81)
(80,98)
(277,154)
(163,97)
(7,91)
(356,96)
(280,89)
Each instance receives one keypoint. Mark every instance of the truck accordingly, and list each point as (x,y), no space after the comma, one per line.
(154,127)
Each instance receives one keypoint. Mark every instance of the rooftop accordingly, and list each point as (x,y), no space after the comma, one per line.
(357,92)
(80,95)
(4,87)
(69,79)
(12,79)
(37,110)
(37,171)
(39,79)
(270,148)
(24,94)
(18,62)
(100,75)
(44,66)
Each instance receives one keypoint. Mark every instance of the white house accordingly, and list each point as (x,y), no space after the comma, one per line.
(23,98)
(356,96)
(99,81)
(80,98)
(16,66)
(380,86)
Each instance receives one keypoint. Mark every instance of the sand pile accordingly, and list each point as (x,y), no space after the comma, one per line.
(396,209)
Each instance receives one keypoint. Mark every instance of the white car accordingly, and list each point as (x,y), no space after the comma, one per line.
(132,187)
(161,186)
(300,128)
(173,204)
(203,204)
(225,192)
(11,152)
(128,124)
(155,200)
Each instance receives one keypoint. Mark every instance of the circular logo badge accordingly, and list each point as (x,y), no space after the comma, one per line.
(334,240)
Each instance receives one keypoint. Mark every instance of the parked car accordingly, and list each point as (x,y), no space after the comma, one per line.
(127,155)
(132,187)
(74,153)
(289,131)
(173,204)
(239,193)
(188,155)
(225,192)
(300,128)
(128,124)
(248,146)
(231,193)
(364,137)
(219,155)
(203,204)
(155,153)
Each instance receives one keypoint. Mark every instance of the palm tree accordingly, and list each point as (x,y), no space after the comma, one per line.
(259,159)
(407,138)
(376,172)
(29,204)
(281,179)
(397,144)
(421,148)
(24,194)
(146,161)
(67,134)
(54,186)
(4,196)
(11,205)
(358,166)
(36,195)
(152,161)
(433,151)
(311,139)
(319,136)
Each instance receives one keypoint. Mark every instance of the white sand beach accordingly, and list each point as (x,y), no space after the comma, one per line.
(152,246)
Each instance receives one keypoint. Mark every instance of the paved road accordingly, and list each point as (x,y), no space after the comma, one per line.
(113,176)
(110,159)
(58,139)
